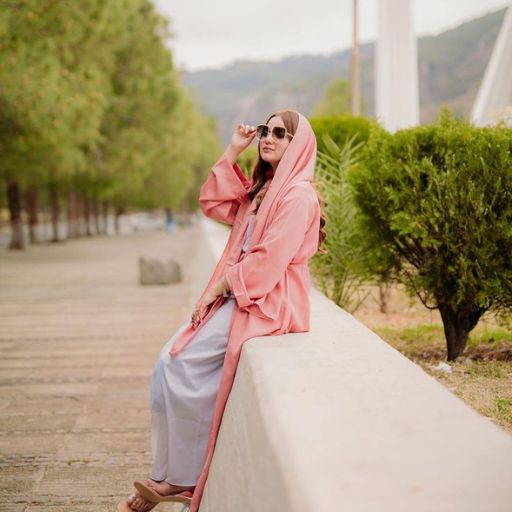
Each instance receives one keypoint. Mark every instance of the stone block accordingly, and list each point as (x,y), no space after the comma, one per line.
(156,272)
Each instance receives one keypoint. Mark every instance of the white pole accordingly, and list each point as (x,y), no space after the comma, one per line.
(396,66)
(494,98)
(356,101)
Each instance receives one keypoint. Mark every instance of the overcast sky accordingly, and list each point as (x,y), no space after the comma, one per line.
(226,30)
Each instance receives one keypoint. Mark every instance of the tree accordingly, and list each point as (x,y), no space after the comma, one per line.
(435,211)
(337,99)
(53,90)
(92,109)
(341,128)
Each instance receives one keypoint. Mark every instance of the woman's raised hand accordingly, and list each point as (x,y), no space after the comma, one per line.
(243,136)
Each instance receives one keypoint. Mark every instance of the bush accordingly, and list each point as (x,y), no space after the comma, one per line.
(435,208)
(338,270)
(340,129)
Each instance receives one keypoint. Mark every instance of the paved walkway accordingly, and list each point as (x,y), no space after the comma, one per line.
(78,341)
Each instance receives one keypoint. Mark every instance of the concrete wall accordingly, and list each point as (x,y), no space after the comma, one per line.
(338,420)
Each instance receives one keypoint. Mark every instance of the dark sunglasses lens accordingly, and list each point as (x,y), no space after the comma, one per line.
(262,131)
(279,132)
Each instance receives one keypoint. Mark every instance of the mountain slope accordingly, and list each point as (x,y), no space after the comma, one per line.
(451,67)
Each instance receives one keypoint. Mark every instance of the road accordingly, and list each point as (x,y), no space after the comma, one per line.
(78,340)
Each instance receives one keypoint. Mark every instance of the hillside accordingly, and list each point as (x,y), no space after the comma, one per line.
(451,66)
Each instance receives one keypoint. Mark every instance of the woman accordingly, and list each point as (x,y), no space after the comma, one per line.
(259,287)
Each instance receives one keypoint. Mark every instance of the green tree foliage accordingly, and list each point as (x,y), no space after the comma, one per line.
(435,208)
(341,128)
(139,133)
(337,99)
(90,101)
(49,94)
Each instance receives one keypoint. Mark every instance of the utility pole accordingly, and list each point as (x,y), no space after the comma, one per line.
(356,102)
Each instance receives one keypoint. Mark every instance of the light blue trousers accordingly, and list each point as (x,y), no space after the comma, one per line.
(183,393)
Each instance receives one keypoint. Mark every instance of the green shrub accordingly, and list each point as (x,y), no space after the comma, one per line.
(435,209)
(340,129)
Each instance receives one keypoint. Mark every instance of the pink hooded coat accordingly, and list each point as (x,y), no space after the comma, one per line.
(271,282)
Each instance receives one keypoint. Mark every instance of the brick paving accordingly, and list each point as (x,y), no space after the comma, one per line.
(78,340)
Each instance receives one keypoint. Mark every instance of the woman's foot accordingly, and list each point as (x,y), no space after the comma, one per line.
(166,489)
(139,504)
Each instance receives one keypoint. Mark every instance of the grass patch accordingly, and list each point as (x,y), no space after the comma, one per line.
(504,409)
(482,376)
(427,342)
(497,337)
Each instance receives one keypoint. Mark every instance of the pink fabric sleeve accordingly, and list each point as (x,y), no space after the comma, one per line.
(221,194)
(252,278)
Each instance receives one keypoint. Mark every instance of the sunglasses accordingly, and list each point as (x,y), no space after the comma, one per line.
(278,132)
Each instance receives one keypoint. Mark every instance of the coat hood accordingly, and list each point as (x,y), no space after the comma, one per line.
(297,164)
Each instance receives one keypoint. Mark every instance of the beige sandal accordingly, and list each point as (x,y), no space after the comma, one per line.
(151,495)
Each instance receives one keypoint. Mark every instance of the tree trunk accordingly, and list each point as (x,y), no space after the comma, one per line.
(384,296)
(14,205)
(76,213)
(95,215)
(69,214)
(87,214)
(31,197)
(106,208)
(457,324)
(55,211)
(79,202)
(117,213)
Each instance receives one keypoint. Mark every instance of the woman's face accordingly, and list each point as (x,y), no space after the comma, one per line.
(272,150)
